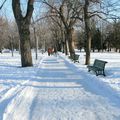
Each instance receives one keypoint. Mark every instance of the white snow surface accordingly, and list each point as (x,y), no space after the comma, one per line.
(55,88)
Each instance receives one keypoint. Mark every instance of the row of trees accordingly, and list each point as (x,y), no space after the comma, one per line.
(51,36)
(59,23)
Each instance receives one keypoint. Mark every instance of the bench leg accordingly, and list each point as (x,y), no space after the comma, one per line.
(100,73)
(96,73)
(104,73)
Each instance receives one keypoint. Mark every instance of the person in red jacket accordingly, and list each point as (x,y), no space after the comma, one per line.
(49,51)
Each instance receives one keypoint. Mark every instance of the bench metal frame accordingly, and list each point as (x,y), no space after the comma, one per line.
(75,58)
(98,67)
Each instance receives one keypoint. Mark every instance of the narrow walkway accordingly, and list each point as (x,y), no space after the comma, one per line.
(55,73)
(64,95)
(60,92)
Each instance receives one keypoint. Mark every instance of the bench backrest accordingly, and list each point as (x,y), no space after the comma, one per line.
(76,57)
(99,64)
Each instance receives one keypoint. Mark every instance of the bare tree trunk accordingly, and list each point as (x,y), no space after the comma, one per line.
(87,32)
(62,41)
(70,45)
(25,47)
(23,24)
(66,46)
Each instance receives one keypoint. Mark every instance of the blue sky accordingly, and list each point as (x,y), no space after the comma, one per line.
(7,9)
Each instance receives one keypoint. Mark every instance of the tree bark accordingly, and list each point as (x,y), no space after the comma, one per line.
(70,40)
(26,57)
(66,45)
(87,32)
(23,24)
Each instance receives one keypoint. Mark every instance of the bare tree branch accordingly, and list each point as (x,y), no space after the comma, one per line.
(41,18)
(2,4)
(30,8)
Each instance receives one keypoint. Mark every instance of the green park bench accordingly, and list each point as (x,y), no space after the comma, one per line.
(74,57)
(98,67)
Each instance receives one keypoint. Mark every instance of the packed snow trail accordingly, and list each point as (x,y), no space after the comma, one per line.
(61,92)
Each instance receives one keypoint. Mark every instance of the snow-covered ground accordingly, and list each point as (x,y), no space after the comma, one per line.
(57,89)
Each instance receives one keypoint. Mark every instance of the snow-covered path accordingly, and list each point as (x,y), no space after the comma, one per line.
(59,91)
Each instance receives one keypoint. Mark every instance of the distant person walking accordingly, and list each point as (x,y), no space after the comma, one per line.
(49,51)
